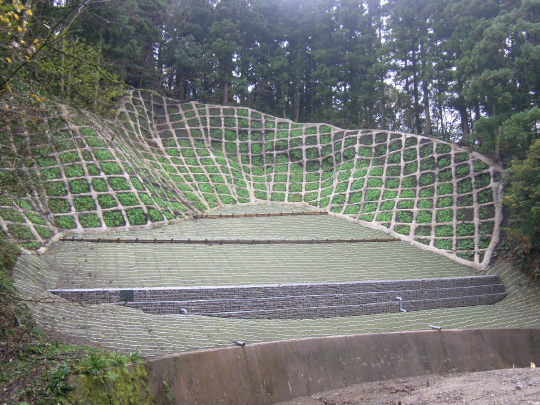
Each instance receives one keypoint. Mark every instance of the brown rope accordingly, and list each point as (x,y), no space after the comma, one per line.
(258,215)
(230,241)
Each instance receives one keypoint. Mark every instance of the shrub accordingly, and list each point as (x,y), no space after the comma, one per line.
(355,198)
(358,184)
(404,216)
(114,218)
(369,207)
(103,154)
(84,203)
(389,194)
(89,221)
(445,216)
(106,201)
(403,229)
(410,154)
(387,205)
(444,244)
(79,186)
(119,183)
(464,186)
(424,217)
(480,166)
(59,205)
(136,216)
(128,199)
(465,244)
(20,232)
(426,179)
(443,202)
(50,174)
(405,204)
(65,222)
(372,194)
(407,194)
(445,188)
(374,182)
(99,185)
(352,209)
(427,192)
(10,215)
(69,157)
(423,204)
(392,183)
(465,230)
(384,217)
(444,230)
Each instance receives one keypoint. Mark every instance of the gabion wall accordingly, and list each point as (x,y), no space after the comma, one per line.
(162,160)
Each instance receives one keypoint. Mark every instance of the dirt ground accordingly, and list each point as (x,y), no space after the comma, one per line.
(504,387)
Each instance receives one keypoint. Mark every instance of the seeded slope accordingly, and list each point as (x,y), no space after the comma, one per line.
(161,160)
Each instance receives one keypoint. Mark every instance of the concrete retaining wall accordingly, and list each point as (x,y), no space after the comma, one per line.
(267,373)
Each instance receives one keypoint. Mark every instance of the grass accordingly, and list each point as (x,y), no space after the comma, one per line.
(34,366)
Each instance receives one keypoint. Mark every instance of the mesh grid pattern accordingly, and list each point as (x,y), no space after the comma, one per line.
(127,329)
(161,160)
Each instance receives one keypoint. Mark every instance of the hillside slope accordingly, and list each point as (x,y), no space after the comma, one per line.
(162,160)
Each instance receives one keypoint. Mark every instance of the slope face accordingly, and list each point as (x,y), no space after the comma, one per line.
(161,160)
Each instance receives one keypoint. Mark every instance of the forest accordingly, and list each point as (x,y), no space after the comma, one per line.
(466,71)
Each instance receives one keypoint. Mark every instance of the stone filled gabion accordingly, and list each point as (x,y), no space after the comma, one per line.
(161,160)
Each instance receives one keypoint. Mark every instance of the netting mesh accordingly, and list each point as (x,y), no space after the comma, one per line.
(161,160)
(68,265)
(126,329)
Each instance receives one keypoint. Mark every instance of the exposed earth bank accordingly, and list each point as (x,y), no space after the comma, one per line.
(504,387)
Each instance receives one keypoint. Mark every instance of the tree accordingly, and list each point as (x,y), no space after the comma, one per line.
(522,200)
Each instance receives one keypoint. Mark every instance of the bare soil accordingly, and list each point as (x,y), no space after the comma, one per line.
(497,387)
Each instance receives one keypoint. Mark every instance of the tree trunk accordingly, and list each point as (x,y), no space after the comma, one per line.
(425,89)
(464,116)
(497,152)
(226,90)
(382,123)
(97,77)
(23,22)
(416,103)
(296,103)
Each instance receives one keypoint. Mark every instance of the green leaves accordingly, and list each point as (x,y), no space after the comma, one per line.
(522,198)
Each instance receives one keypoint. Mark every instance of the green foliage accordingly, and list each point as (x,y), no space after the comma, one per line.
(424,217)
(106,201)
(119,183)
(445,216)
(79,186)
(136,216)
(127,199)
(74,171)
(114,218)
(84,203)
(402,229)
(64,221)
(89,221)
(522,200)
(155,215)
